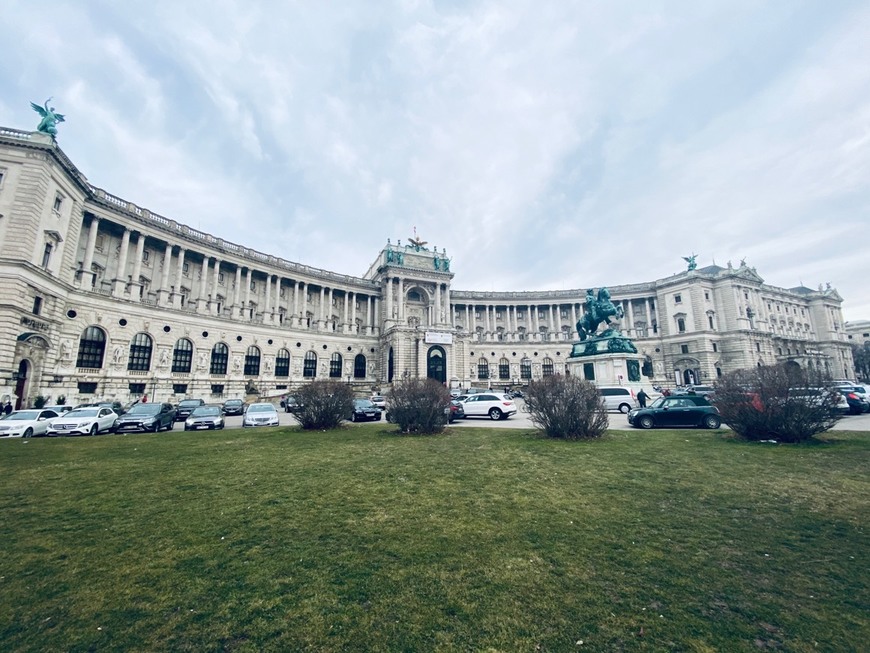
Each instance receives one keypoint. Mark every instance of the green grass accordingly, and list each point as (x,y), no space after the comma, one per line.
(476,540)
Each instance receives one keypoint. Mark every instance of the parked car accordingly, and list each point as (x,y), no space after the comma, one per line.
(115,406)
(379,401)
(185,408)
(495,406)
(90,420)
(621,399)
(147,417)
(364,411)
(233,407)
(204,417)
(677,410)
(291,404)
(456,411)
(857,403)
(261,414)
(60,409)
(26,423)
(705,390)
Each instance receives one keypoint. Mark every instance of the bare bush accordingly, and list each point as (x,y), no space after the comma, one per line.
(418,406)
(324,404)
(566,407)
(782,403)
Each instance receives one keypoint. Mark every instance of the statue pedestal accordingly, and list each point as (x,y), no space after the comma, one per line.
(607,361)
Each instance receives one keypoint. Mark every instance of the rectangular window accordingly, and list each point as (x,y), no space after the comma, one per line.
(678,299)
(37,305)
(146,256)
(217,389)
(185,269)
(58,203)
(100,244)
(179,388)
(46,256)
(477,315)
(684,349)
(710,320)
(498,315)
(706,295)
(253,285)
(2,177)
(715,347)
(87,387)
(137,388)
(757,346)
(220,277)
(563,314)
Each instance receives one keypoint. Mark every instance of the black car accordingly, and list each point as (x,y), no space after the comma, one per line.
(457,411)
(364,410)
(205,417)
(147,417)
(679,410)
(234,407)
(185,408)
(291,404)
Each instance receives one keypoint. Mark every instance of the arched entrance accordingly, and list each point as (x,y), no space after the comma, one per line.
(436,364)
(21,384)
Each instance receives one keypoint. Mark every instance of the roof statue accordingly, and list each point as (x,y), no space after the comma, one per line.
(691,261)
(417,242)
(48,124)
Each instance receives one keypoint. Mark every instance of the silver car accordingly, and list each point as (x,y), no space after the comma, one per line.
(261,414)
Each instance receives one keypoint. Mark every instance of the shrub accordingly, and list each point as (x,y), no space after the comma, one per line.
(40,401)
(325,404)
(779,402)
(418,406)
(61,400)
(566,407)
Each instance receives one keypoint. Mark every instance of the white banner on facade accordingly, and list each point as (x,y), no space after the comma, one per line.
(436,338)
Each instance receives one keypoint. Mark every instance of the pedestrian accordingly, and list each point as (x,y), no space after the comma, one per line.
(7,408)
(666,392)
(641,398)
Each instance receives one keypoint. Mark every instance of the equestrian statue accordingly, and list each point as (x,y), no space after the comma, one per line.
(597,311)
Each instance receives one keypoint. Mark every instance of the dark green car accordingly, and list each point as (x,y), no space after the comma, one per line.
(675,411)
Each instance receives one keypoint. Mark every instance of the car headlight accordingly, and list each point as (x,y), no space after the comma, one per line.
(82,424)
(189,421)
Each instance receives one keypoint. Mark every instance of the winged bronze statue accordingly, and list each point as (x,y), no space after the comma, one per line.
(48,124)
(691,261)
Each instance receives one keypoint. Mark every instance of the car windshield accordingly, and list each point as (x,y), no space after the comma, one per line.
(22,415)
(82,412)
(363,403)
(657,403)
(233,402)
(144,409)
(188,403)
(206,411)
(261,408)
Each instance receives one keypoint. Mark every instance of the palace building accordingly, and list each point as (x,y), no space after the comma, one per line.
(103,299)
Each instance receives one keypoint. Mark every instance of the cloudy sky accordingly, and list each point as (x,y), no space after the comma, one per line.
(545,145)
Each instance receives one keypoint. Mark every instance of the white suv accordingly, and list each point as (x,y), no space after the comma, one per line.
(483,404)
(621,399)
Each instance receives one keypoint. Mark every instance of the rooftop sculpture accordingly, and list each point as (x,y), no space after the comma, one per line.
(48,124)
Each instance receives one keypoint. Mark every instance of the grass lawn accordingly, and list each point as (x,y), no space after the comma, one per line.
(476,540)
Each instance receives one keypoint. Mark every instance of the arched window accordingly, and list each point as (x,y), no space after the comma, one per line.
(282,364)
(252,361)
(547,366)
(140,353)
(182,356)
(359,367)
(92,348)
(335,366)
(309,370)
(482,368)
(526,369)
(220,354)
(504,369)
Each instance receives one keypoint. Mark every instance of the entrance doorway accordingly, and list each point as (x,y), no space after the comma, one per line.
(436,364)
(21,384)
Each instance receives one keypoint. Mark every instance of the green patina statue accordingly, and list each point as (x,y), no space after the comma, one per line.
(691,261)
(48,124)
(597,311)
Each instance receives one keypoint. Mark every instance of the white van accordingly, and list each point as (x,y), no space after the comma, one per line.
(621,399)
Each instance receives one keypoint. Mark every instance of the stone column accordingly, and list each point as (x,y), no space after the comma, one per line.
(354,297)
(246,309)
(163,293)
(468,325)
(136,289)
(237,310)
(401,299)
(388,298)
(201,295)
(368,327)
(295,320)
(376,327)
(448,307)
(87,273)
(277,302)
(119,285)
(630,329)
(438,319)
(551,326)
(649,317)
(267,300)
(179,279)
(574,334)
(215,287)
(321,312)
(303,317)
(329,311)
(345,315)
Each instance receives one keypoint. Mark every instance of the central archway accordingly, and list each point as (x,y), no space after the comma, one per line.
(436,364)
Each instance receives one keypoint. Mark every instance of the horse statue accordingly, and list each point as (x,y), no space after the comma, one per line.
(597,311)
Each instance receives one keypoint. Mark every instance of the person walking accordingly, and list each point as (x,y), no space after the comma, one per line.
(8,408)
(641,398)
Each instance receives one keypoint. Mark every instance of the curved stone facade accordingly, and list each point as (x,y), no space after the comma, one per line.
(105,299)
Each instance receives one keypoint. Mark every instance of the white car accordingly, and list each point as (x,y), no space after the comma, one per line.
(84,421)
(26,423)
(485,404)
(261,414)
(379,401)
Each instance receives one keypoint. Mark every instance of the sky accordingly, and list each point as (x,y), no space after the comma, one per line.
(543,145)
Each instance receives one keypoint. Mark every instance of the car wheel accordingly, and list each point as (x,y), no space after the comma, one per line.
(645,422)
(494,414)
(624,408)
(28,433)
(95,429)
(353,417)
(712,422)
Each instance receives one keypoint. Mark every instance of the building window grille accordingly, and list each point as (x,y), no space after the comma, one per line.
(309,369)
(182,356)
(482,369)
(140,353)
(179,388)
(282,364)
(681,325)
(92,348)
(220,355)
(335,366)
(252,361)
(504,369)
(526,369)
(217,389)
(136,388)
(684,349)
(359,367)
(87,387)
(547,367)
